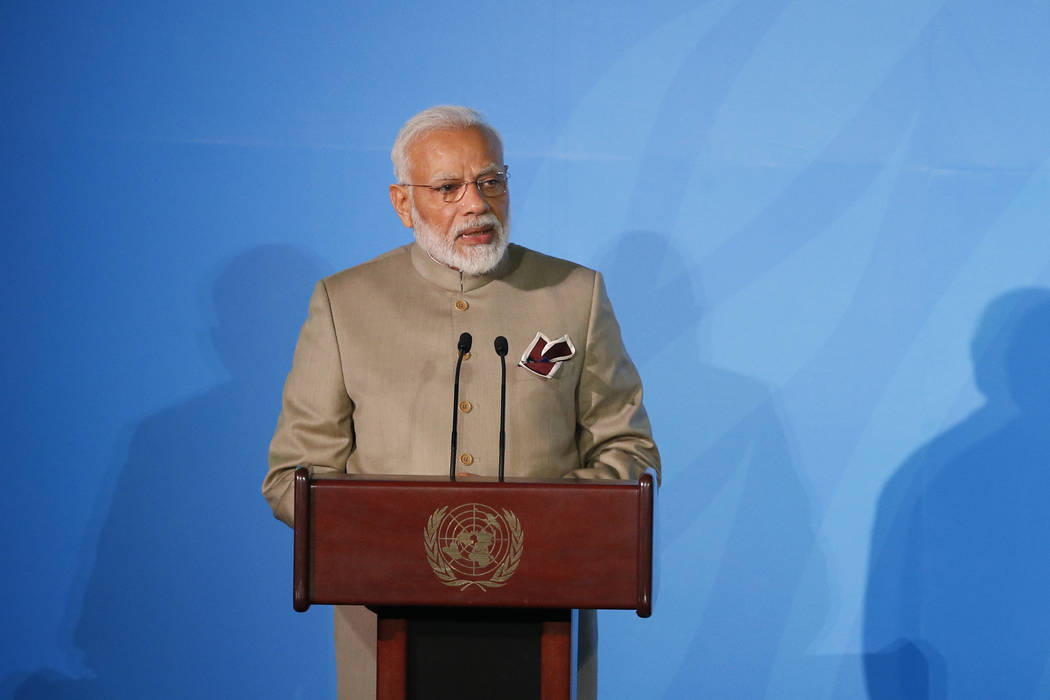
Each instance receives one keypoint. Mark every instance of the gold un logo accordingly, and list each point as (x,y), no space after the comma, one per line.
(473,545)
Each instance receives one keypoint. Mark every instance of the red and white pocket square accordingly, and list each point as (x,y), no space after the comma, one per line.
(544,356)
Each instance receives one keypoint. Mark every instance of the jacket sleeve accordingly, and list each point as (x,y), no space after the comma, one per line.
(315,428)
(613,434)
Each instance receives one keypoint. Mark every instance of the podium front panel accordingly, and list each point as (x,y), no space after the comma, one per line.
(424,542)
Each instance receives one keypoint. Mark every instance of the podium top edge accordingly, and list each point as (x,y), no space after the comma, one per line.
(470,481)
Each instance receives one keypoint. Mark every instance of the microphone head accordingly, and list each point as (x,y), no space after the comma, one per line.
(465,342)
(500,343)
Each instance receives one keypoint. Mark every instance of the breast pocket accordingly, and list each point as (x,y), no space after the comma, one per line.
(541,413)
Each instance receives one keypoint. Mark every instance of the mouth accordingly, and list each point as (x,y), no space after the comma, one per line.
(477,235)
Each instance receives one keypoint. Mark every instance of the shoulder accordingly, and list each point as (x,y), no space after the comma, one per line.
(530,269)
(382,268)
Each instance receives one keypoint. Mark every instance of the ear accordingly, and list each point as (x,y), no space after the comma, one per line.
(399,197)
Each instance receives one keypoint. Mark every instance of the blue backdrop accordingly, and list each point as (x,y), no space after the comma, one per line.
(825,229)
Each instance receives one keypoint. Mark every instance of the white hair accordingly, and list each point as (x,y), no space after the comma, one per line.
(442,117)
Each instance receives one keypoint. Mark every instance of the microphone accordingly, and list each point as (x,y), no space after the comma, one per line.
(464,343)
(500,343)
(464,347)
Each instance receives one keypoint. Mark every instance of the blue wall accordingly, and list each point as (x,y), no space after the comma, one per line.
(825,228)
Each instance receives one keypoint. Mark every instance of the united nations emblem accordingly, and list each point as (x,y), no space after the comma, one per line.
(473,545)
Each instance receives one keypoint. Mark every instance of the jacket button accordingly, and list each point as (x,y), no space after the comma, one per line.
(466,459)
(462,304)
(465,406)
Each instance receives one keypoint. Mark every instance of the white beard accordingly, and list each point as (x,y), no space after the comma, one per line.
(474,259)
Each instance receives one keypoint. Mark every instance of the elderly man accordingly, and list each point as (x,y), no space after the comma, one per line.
(371,383)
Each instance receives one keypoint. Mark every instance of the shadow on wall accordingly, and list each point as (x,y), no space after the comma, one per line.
(189,591)
(743,571)
(956,600)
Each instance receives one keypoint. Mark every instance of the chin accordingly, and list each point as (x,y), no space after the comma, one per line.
(479,259)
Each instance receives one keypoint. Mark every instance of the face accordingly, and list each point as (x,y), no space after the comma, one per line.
(471,234)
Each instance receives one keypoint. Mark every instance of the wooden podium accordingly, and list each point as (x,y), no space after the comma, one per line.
(496,567)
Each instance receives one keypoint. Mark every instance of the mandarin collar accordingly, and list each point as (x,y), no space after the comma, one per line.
(452,280)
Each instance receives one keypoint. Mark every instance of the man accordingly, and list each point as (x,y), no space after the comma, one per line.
(371,383)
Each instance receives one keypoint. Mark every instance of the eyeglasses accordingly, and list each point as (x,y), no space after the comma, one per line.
(491,185)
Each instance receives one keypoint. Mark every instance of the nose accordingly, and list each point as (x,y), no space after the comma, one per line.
(473,201)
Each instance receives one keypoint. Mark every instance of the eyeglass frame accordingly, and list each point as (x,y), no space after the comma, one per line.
(462,189)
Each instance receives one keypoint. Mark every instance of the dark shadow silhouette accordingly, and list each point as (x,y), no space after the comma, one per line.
(189,591)
(956,598)
(735,523)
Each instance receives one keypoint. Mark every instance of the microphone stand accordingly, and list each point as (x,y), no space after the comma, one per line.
(464,347)
(501,349)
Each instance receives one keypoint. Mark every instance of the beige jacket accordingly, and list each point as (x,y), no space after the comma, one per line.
(371,385)
(370,391)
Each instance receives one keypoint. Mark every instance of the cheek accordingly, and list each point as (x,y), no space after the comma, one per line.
(444,227)
(437,221)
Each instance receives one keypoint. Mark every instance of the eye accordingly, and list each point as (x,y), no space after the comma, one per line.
(449,187)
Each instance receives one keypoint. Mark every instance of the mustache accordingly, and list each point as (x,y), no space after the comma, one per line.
(484,220)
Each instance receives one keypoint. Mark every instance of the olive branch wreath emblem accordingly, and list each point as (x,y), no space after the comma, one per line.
(444,572)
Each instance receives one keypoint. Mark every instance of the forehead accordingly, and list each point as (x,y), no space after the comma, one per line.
(454,153)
